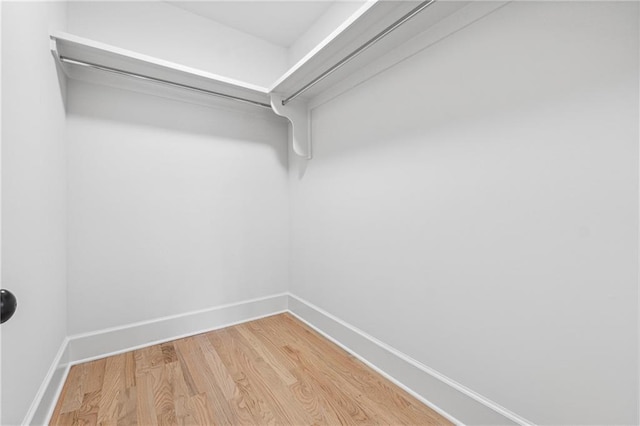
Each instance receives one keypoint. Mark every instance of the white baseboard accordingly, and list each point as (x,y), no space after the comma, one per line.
(99,344)
(454,401)
(42,406)
(451,399)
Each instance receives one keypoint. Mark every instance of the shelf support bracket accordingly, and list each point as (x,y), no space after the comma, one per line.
(298,114)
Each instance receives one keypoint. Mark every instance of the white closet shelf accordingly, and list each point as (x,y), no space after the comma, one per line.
(372,20)
(374,30)
(89,60)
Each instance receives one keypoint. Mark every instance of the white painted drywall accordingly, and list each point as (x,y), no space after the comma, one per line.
(168,32)
(279,22)
(331,19)
(173,207)
(476,207)
(33,202)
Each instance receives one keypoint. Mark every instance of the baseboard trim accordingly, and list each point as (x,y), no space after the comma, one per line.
(43,403)
(451,399)
(100,344)
(85,347)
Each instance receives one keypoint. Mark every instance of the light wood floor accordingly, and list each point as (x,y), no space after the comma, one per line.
(274,370)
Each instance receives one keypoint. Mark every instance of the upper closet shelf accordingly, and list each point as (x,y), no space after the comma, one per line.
(89,60)
(375,30)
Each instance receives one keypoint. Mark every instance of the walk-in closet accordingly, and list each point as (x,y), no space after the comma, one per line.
(320,212)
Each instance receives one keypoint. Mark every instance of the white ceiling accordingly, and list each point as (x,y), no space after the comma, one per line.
(280,22)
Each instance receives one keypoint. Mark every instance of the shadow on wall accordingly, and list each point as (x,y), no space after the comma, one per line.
(208,116)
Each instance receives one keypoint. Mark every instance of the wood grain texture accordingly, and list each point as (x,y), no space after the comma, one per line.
(275,370)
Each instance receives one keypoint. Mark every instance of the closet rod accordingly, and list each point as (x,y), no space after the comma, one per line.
(161,81)
(360,49)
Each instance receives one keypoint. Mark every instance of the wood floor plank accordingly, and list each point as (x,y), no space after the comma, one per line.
(185,413)
(163,395)
(113,386)
(241,370)
(202,414)
(168,353)
(275,370)
(379,390)
(323,410)
(204,379)
(127,407)
(149,357)
(75,392)
(219,370)
(270,382)
(322,404)
(145,408)
(69,418)
(95,375)
(88,412)
(129,370)
(303,388)
(266,351)
(332,388)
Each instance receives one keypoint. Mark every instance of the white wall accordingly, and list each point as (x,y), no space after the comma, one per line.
(33,202)
(168,32)
(173,207)
(337,13)
(476,207)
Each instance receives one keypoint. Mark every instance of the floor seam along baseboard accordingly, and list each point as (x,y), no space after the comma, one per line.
(402,358)
(461,407)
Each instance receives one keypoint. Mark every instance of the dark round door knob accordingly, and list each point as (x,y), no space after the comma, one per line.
(8,305)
